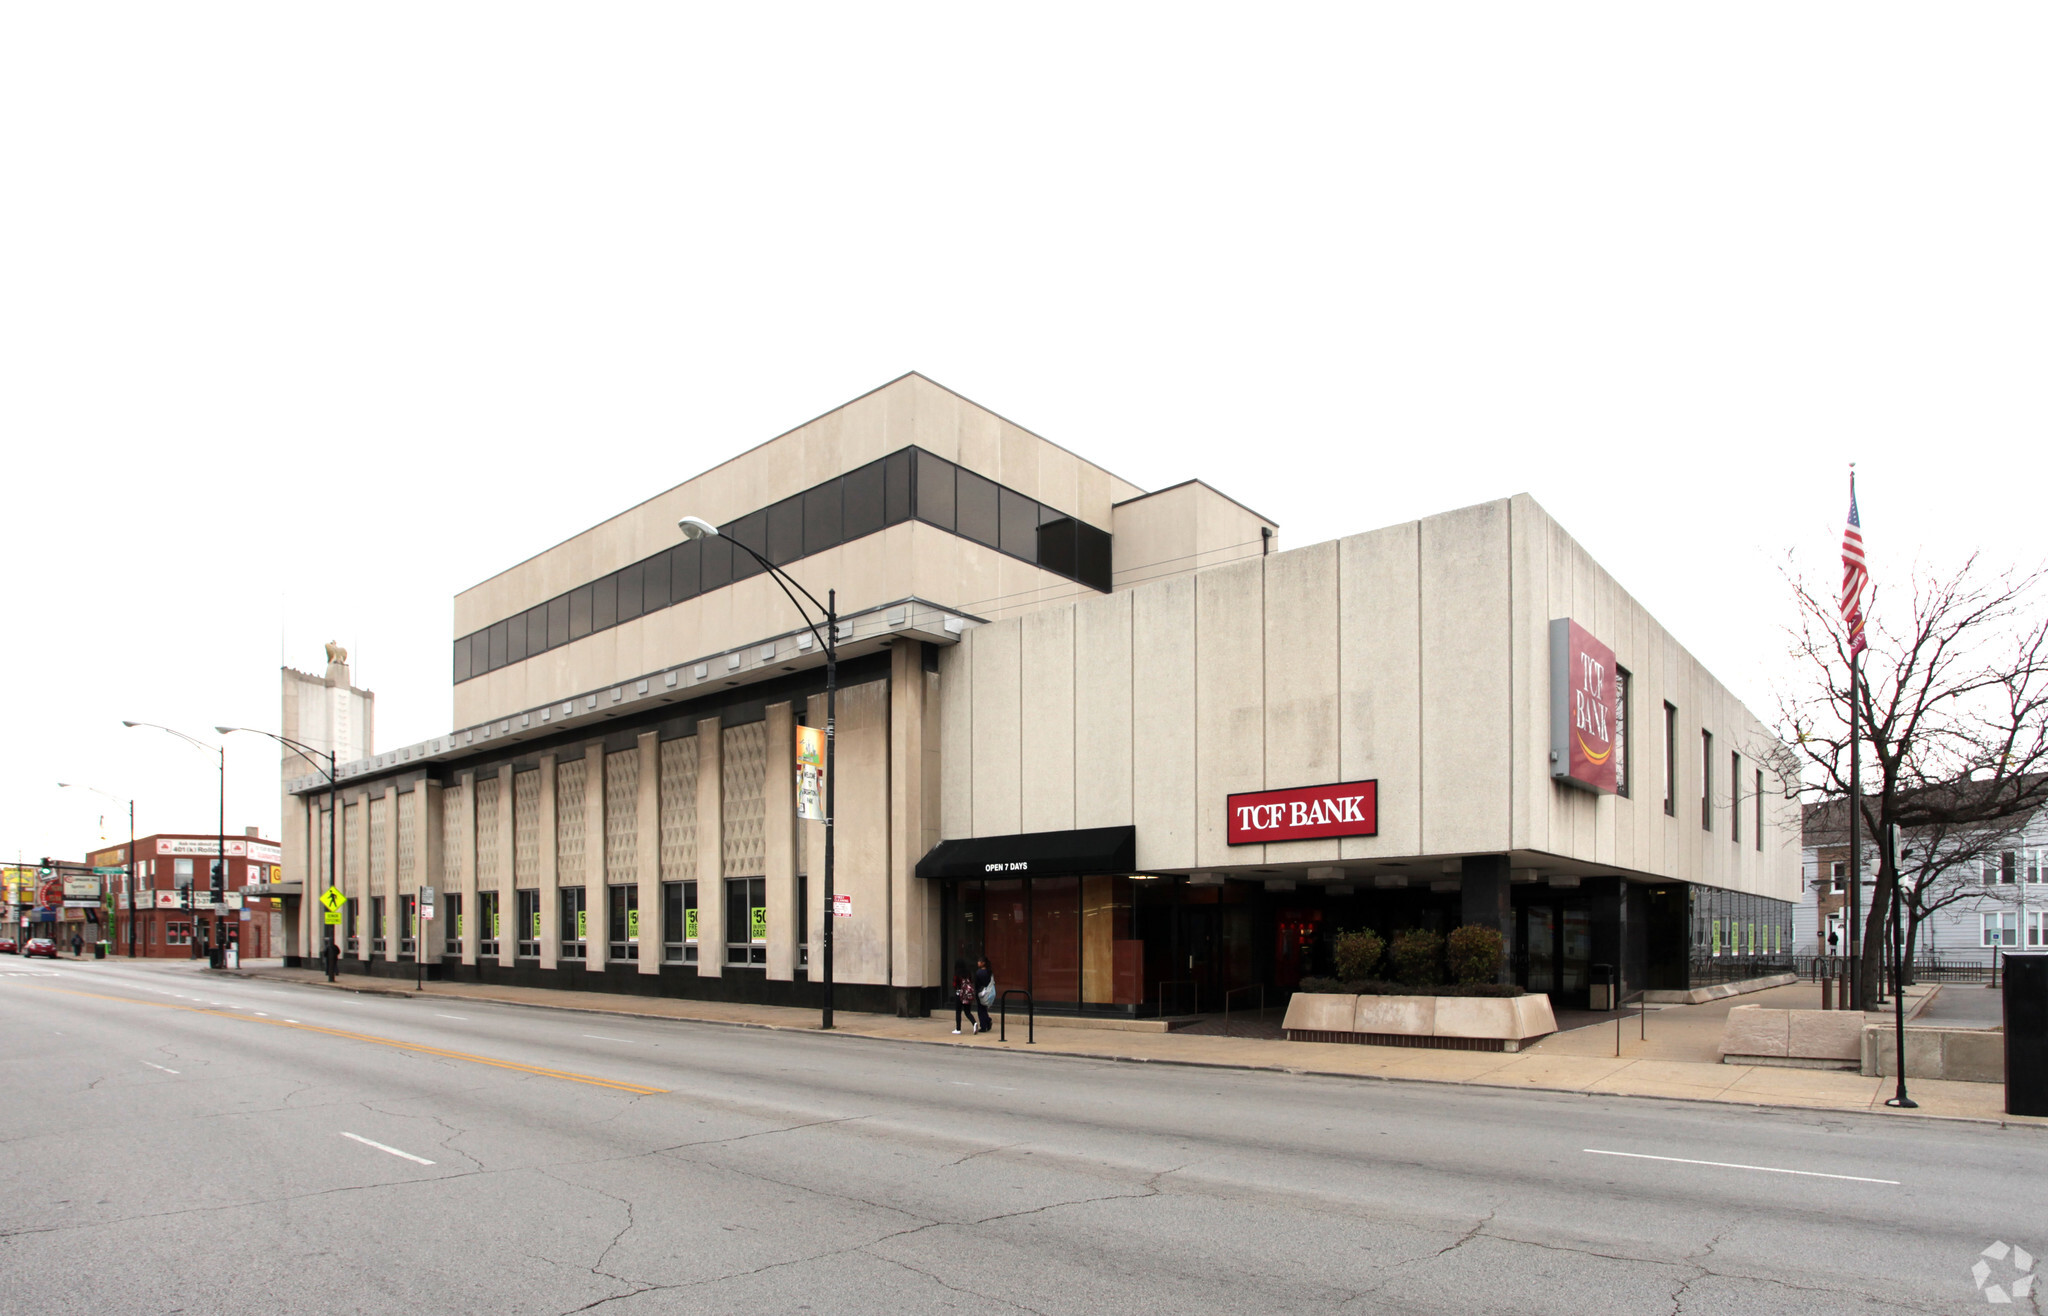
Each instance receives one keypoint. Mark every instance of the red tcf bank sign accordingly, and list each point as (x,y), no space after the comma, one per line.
(1306,813)
(1585,709)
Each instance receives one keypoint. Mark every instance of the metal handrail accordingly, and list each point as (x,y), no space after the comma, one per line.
(1030,1015)
(1258,987)
(1641,999)
(1165,983)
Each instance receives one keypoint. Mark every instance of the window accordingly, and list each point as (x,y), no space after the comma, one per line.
(896,482)
(498,634)
(751,531)
(579,611)
(604,603)
(1670,761)
(1093,553)
(935,490)
(2008,868)
(1707,780)
(1058,548)
(451,909)
(575,923)
(181,874)
(679,922)
(746,920)
(2037,929)
(975,504)
(1621,763)
(462,670)
(632,587)
(714,564)
(684,570)
(348,923)
(526,924)
(377,929)
(865,506)
(408,925)
(1017,525)
(2002,928)
(515,638)
(623,918)
(558,621)
(1840,869)
(654,594)
(1735,798)
(785,531)
(487,924)
(1759,809)
(823,515)
(803,921)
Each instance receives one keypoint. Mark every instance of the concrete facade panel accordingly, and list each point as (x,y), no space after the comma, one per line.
(1163,779)
(1103,745)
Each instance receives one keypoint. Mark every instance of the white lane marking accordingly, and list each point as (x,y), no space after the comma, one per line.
(382,1148)
(291,1021)
(153,1065)
(1730,1165)
(599,1037)
(457,1017)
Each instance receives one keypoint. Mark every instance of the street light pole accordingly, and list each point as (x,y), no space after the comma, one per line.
(696,528)
(307,752)
(222,846)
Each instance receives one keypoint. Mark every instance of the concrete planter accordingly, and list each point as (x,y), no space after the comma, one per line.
(1462,1023)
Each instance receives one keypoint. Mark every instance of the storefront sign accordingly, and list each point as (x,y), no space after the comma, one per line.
(1305,813)
(82,888)
(1585,712)
(206,845)
(810,774)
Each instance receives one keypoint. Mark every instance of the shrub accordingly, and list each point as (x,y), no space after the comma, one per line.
(1474,954)
(1416,958)
(1357,953)
(1323,987)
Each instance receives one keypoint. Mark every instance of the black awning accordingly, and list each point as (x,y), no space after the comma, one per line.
(1034,854)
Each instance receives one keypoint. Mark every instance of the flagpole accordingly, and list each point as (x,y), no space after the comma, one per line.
(1855,778)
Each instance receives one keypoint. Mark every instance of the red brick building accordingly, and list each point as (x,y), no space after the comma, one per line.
(172,865)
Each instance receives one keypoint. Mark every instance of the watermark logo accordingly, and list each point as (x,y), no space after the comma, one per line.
(2013,1289)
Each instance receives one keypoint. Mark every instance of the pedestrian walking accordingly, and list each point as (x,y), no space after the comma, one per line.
(963,997)
(77,946)
(984,993)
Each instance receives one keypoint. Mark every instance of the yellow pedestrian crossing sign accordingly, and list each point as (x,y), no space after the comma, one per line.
(332,899)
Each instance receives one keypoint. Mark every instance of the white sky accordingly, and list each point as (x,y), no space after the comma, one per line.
(311,316)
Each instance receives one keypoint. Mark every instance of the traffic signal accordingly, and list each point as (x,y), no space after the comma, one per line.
(216,878)
(184,897)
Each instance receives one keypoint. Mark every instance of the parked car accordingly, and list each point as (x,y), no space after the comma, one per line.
(7,946)
(42,946)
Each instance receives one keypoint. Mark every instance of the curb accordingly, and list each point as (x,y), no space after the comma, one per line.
(1241,1066)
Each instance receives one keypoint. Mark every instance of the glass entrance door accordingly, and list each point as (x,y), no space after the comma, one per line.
(1539,947)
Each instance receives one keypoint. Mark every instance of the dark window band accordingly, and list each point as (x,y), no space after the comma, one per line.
(906,485)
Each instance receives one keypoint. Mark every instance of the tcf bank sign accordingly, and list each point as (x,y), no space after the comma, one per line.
(1305,813)
(1585,709)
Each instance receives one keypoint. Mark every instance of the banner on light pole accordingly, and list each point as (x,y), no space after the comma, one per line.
(810,774)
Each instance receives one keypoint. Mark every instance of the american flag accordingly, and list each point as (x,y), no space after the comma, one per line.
(1855,575)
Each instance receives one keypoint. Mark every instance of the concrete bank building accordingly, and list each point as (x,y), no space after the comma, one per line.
(1118,740)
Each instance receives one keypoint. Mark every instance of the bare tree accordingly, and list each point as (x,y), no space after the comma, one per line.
(1953,716)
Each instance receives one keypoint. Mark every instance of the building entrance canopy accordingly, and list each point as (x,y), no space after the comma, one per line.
(1090,850)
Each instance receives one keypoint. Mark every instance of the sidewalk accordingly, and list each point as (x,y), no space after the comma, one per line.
(1672,1063)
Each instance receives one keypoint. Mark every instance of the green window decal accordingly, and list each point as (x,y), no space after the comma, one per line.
(690,924)
(757,926)
(582,924)
(632,925)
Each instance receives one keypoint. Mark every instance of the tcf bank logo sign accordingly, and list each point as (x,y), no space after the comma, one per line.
(1585,709)
(1305,813)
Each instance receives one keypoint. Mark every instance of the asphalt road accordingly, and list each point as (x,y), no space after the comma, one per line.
(176,1142)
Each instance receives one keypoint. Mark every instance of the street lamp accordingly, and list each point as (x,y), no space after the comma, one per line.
(308,753)
(222,860)
(73,785)
(697,528)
